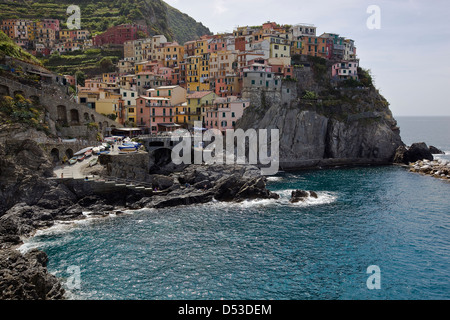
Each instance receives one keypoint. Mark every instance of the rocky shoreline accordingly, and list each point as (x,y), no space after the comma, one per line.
(31,200)
(436,168)
(419,159)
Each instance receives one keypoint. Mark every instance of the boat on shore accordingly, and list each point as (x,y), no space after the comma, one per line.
(128,149)
(81,157)
(88,153)
(73,160)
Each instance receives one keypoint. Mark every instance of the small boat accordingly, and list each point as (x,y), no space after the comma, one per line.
(93,162)
(73,160)
(82,152)
(81,158)
(104,152)
(88,153)
(128,147)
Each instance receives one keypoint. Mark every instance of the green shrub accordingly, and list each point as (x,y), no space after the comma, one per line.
(309,95)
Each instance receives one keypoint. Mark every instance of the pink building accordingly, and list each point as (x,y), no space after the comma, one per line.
(345,70)
(224,112)
(166,73)
(217,44)
(70,80)
(51,24)
(156,109)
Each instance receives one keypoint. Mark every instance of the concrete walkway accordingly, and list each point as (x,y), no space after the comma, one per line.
(74,171)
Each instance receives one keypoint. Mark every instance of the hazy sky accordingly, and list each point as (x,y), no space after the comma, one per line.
(409,55)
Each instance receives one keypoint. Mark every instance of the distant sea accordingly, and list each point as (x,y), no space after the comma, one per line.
(434,131)
(271,249)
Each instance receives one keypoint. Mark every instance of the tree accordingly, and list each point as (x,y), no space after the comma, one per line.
(106,64)
(80,76)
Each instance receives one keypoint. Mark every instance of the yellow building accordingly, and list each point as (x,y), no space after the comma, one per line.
(279,46)
(65,35)
(139,66)
(107,103)
(197,68)
(186,114)
(173,55)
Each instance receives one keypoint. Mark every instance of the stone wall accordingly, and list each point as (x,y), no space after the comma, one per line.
(133,167)
(60,109)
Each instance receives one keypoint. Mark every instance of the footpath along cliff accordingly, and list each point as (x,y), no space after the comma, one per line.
(323,122)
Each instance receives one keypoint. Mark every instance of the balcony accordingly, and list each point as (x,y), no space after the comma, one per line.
(188,113)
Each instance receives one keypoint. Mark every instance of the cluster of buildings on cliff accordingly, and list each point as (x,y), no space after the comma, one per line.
(45,36)
(162,85)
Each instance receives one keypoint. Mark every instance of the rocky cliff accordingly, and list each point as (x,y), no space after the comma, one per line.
(325,123)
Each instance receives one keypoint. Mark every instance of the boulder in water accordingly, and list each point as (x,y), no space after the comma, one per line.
(302,195)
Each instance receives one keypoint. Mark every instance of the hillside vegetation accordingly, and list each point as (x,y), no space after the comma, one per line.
(97,16)
(88,61)
(9,48)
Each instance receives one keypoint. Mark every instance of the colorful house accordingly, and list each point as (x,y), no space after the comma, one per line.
(193,110)
(156,109)
(345,70)
(173,54)
(223,113)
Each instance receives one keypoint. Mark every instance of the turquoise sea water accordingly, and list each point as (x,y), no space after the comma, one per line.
(272,249)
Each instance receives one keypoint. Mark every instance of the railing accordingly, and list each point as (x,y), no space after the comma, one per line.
(188,113)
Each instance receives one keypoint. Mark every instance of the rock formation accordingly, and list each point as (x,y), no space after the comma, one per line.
(25,277)
(302,195)
(435,150)
(417,151)
(341,126)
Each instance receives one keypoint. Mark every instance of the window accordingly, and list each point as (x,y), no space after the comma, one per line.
(142,110)
(124,94)
(233,115)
